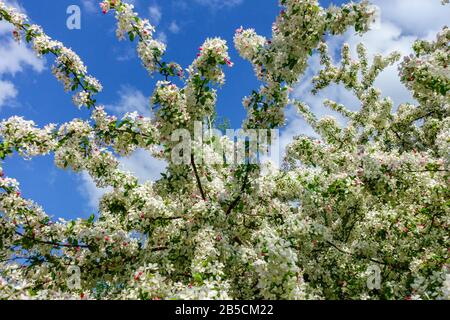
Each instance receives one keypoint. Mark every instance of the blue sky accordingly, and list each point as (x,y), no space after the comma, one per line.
(28,89)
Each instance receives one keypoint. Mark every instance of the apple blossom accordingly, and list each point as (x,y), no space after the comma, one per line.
(371,191)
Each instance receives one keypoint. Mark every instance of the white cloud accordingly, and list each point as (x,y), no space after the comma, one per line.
(415,17)
(14,58)
(7,92)
(179,5)
(130,100)
(5,28)
(15,4)
(402,22)
(174,27)
(155,14)
(162,37)
(91,6)
(143,165)
(219,4)
(125,54)
(90,192)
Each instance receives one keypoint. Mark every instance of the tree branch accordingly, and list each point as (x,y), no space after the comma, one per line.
(51,243)
(199,183)
(238,198)
(370,259)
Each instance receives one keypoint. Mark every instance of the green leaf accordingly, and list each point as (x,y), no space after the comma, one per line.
(198,277)
(91,219)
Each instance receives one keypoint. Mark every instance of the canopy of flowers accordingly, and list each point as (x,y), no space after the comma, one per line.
(373,192)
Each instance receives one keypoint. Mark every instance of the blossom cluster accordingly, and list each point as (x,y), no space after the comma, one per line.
(129,25)
(426,73)
(69,69)
(26,138)
(212,54)
(297,32)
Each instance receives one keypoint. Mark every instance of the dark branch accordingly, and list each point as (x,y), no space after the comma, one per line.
(199,183)
(239,197)
(52,243)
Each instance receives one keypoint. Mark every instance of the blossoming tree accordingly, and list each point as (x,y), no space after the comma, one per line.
(370,195)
